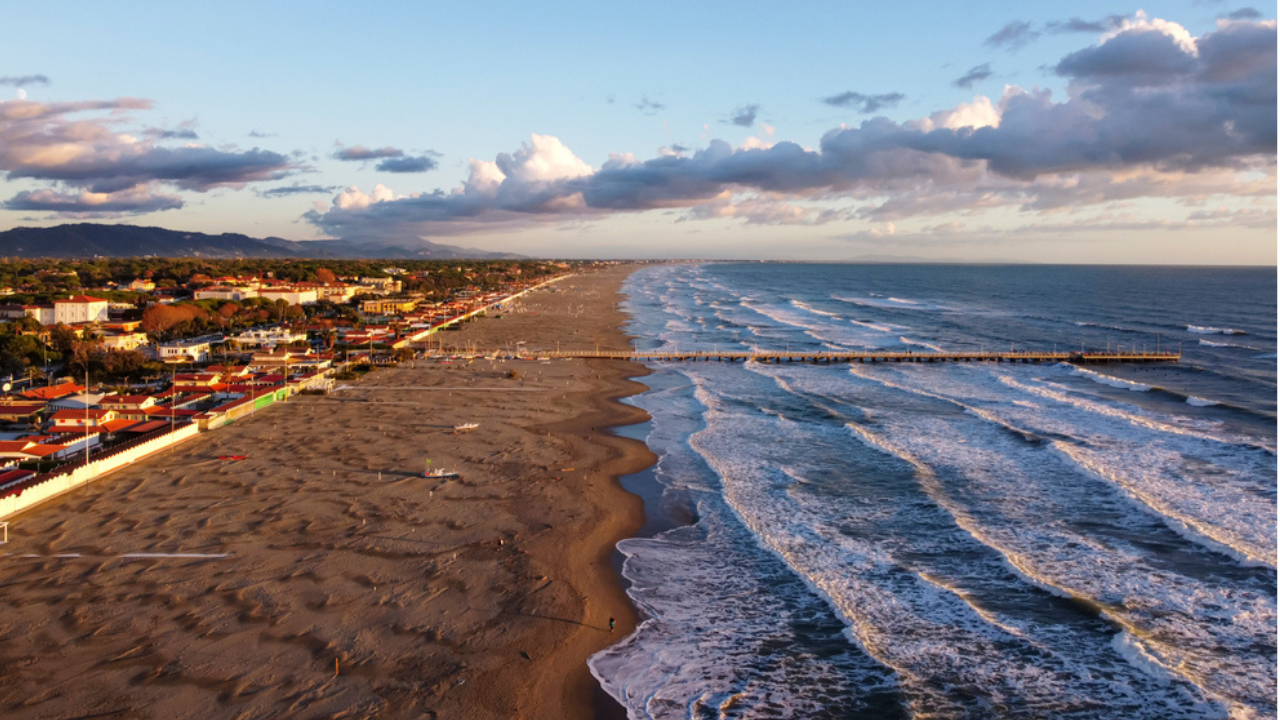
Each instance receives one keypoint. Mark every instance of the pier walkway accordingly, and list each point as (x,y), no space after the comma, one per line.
(843,356)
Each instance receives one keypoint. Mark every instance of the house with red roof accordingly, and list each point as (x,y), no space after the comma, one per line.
(26,449)
(127,402)
(53,392)
(72,420)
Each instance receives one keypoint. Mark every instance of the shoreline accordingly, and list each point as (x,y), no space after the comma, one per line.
(372,590)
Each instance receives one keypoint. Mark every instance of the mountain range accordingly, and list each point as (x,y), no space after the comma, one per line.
(87,240)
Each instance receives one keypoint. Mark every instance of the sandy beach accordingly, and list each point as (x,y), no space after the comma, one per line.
(323,576)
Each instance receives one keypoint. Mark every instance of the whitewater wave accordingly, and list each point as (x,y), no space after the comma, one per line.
(1201,402)
(920,343)
(1201,330)
(1109,380)
(890,303)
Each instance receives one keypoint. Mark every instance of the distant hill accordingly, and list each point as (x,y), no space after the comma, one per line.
(87,240)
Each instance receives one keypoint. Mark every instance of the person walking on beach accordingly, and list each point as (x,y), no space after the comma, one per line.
(611,622)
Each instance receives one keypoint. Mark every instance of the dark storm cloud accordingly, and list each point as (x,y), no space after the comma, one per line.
(975,74)
(745,116)
(1013,36)
(864,103)
(407,164)
(1142,103)
(360,152)
(24,80)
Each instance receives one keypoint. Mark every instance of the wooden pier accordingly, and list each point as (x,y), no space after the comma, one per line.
(1088,357)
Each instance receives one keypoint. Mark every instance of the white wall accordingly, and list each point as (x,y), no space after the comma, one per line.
(55,486)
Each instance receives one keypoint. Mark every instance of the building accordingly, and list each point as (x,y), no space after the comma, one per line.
(44,313)
(337,292)
(379,286)
(79,401)
(20,413)
(267,338)
(80,309)
(124,341)
(223,292)
(142,285)
(73,420)
(127,402)
(387,306)
(291,295)
(52,392)
(189,350)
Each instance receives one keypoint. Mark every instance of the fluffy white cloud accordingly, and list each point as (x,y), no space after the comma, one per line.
(1141,23)
(543,159)
(353,199)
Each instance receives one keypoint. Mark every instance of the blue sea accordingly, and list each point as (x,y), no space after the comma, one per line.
(954,540)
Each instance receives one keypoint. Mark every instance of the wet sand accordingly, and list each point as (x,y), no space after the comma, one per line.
(336,581)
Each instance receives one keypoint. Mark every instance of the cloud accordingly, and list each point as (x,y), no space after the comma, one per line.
(757,210)
(975,74)
(297,190)
(360,152)
(24,80)
(103,169)
(649,107)
(189,168)
(260,135)
(1076,25)
(392,159)
(864,103)
(185,130)
(745,116)
(1244,13)
(407,164)
(136,200)
(1013,36)
(1150,112)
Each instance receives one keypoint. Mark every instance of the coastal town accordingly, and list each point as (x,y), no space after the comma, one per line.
(107,375)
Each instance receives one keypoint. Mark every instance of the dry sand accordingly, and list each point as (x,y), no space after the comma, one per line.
(350,586)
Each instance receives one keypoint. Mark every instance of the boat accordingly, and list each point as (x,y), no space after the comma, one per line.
(440,473)
(232,458)
(465,426)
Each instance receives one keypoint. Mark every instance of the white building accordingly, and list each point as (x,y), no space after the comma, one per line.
(124,341)
(191,350)
(291,295)
(223,292)
(44,314)
(80,309)
(379,286)
(267,338)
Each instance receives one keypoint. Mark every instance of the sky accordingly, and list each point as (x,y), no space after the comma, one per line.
(1082,132)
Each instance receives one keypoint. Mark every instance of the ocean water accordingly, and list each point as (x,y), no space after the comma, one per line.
(955,541)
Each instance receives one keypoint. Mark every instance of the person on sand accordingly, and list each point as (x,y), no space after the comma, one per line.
(611,623)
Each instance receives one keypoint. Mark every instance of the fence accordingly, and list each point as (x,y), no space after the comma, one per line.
(36,490)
